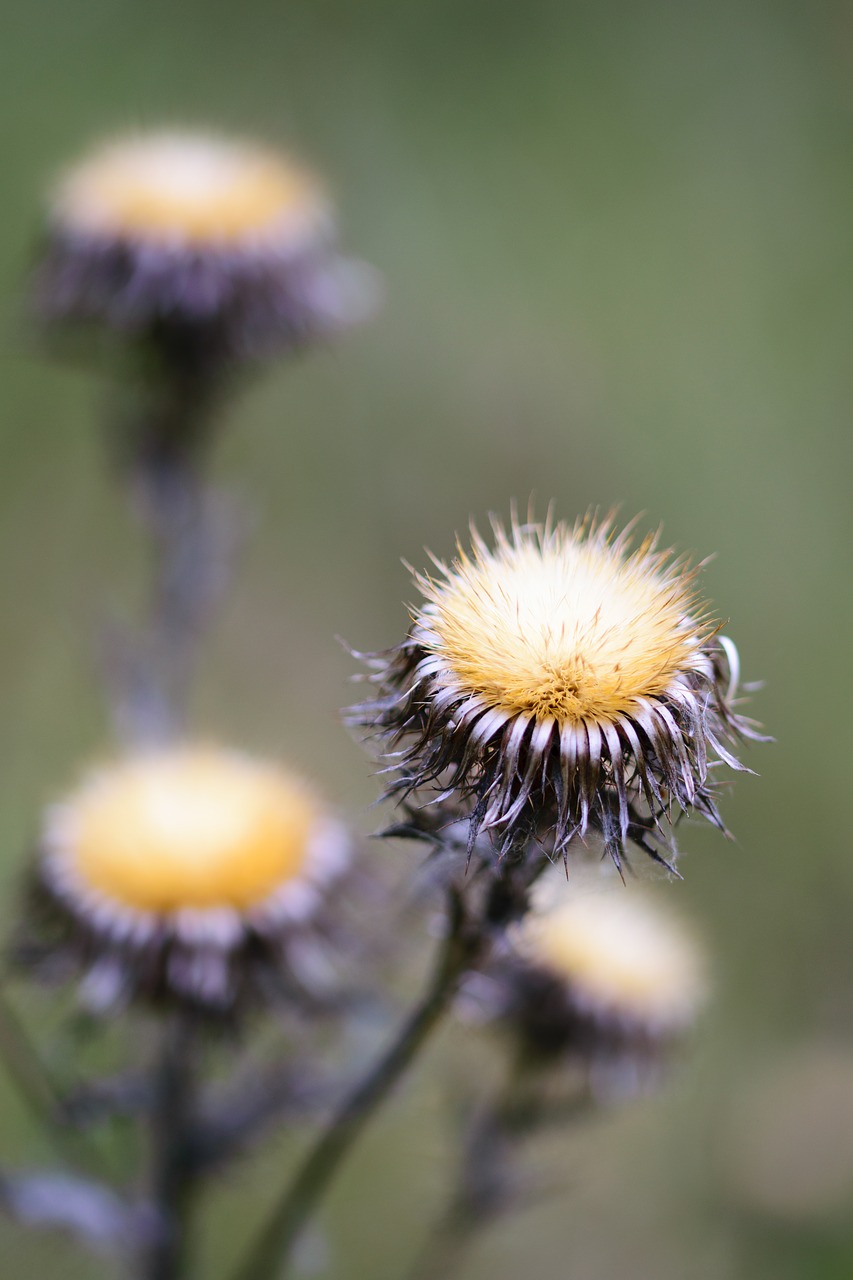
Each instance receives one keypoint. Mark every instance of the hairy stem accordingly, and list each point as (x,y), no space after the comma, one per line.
(268,1256)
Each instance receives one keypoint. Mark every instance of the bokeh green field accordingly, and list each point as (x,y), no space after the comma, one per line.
(617,243)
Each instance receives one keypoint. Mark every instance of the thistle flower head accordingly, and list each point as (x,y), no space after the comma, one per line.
(624,962)
(609,979)
(559,680)
(198,239)
(185,872)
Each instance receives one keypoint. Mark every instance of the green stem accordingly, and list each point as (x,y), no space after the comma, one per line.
(268,1256)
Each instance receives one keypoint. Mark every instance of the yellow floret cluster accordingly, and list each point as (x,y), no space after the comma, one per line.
(622,954)
(190,828)
(569,629)
(189,189)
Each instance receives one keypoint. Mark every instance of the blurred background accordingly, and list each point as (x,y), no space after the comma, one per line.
(617,241)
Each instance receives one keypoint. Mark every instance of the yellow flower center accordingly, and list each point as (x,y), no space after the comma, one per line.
(621,953)
(571,630)
(188,189)
(190,828)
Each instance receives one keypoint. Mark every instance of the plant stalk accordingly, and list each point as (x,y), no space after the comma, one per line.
(268,1257)
(163,439)
(173,1173)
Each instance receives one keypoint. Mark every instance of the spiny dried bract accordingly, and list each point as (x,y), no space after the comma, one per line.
(190,873)
(222,239)
(560,681)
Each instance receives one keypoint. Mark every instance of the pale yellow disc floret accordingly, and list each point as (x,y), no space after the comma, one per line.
(567,627)
(169,188)
(188,828)
(622,954)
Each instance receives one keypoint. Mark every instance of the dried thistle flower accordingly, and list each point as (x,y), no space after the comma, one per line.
(607,981)
(559,682)
(617,964)
(185,873)
(194,235)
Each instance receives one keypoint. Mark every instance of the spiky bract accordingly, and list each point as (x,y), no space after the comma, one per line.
(561,681)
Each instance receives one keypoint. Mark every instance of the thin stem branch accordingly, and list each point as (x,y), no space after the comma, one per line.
(489,1183)
(25,1068)
(31,1078)
(269,1254)
(163,441)
(184,550)
(483,1188)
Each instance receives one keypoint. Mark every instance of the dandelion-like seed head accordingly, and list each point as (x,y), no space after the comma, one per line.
(205,242)
(560,680)
(186,871)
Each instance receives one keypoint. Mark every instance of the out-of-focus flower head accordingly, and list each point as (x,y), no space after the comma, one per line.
(608,978)
(189,874)
(557,682)
(198,239)
(625,963)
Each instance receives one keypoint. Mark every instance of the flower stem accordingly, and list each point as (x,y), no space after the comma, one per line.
(269,1254)
(490,1184)
(173,1175)
(164,437)
(485,1184)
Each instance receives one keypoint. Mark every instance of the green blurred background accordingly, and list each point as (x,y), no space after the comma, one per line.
(617,241)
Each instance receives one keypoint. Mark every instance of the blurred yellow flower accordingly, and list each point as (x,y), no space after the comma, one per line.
(174,866)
